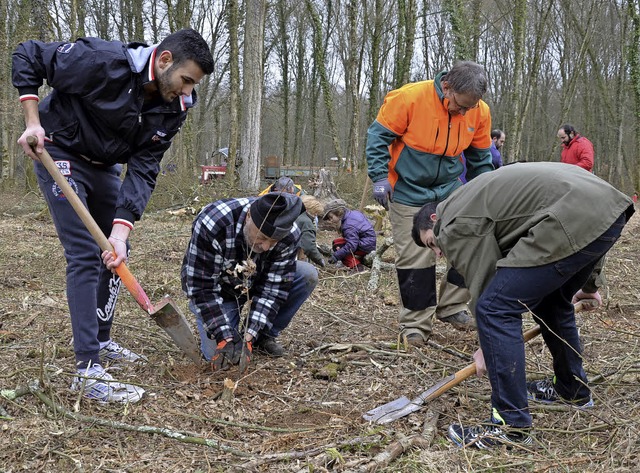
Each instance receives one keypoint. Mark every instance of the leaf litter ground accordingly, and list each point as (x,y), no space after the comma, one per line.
(302,412)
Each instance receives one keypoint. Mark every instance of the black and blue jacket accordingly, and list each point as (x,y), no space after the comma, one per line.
(96,108)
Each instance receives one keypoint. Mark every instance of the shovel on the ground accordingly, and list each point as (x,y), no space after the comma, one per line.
(404,406)
(166,314)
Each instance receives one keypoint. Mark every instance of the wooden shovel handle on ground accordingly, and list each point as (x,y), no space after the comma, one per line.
(122,270)
(403,406)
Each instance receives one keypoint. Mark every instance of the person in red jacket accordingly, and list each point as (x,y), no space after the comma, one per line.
(576,149)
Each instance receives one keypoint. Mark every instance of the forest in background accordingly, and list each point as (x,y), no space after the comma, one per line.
(303,79)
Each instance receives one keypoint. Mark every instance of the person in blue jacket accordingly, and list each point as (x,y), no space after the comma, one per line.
(358,236)
(497,140)
(111,104)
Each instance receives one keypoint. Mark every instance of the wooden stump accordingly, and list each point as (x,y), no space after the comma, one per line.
(228,389)
(326,188)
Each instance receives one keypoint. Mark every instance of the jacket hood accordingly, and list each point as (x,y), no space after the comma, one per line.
(140,54)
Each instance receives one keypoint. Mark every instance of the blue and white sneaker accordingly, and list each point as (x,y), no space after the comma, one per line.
(114,353)
(545,391)
(96,384)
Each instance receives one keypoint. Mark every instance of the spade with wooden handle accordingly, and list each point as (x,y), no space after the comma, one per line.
(404,406)
(165,313)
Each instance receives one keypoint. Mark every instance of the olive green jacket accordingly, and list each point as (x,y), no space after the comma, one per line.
(524,215)
(308,238)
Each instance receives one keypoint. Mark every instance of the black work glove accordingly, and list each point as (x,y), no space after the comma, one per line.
(332,260)
(224,355)
(237,348)
(245,352)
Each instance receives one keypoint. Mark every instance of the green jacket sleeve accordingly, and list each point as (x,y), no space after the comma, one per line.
(378,140)
(308,239)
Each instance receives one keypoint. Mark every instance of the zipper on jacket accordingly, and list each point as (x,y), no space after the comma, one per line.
(446,146)
(435,179)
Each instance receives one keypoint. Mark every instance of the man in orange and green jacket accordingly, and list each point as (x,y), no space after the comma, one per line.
(413,156)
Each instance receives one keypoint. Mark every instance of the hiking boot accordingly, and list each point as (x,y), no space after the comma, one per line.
(492,433)
(114,353)
(96,384)
(461,321)
(415,340)
(269,345)
(545,391)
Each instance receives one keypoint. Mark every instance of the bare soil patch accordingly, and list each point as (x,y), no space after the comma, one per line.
(292,413)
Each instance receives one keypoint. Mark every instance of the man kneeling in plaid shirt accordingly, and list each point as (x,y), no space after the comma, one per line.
(245,249)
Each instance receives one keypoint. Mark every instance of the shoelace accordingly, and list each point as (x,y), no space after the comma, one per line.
(483,430)
(547,389)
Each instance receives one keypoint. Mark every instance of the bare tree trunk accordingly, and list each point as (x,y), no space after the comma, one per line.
(300,85)
(353,66)
(319,59)
(77,14)
(138,23)
(252,94)
(633,8)
(405,41)
(5,92)
(572,61)
(616,170)
(376,60)
(102,20)
(458,18)
(233,19)
(179,14)
(283,40)
(517,93)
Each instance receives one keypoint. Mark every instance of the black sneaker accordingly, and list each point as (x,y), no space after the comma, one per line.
(545,391)
(269,345)
(488,435)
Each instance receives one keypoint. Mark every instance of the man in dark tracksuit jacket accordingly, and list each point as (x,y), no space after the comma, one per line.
(111,104)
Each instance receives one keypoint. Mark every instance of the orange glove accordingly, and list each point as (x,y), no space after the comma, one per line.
(224,355)
(245,356)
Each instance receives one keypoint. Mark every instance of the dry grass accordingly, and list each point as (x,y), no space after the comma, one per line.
(285,416)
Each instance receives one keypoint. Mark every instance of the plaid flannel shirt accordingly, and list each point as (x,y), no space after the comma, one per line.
(210,277)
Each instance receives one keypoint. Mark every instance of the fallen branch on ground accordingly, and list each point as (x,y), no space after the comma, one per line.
(348,347)
(316,306)
(397,448)
(34,388)
(312,452)
(377,264)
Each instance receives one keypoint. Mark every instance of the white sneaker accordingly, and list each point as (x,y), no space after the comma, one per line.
(114,353)
(99,385)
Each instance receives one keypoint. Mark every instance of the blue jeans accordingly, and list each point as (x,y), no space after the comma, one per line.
(304,282)
(547,291)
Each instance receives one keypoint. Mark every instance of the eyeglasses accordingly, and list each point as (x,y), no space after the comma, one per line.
(460,107)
